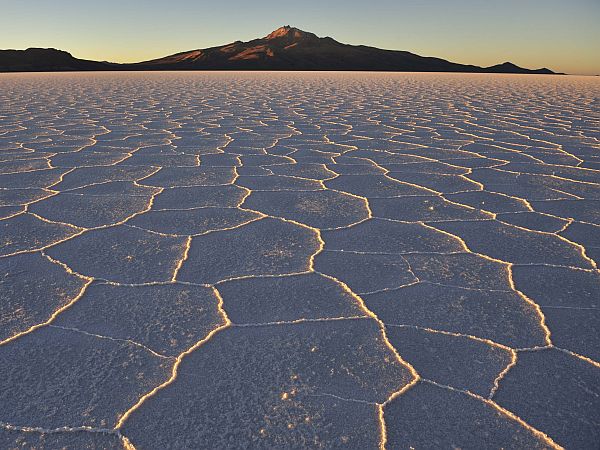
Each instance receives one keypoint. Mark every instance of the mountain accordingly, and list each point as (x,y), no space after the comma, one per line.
(509,67)
(286,48)
(45,60)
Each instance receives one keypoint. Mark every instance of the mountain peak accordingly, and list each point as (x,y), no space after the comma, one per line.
(287,32)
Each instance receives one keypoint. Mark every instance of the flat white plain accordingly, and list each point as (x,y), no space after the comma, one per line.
(233,260)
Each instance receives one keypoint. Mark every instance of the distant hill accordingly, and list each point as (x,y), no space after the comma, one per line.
(509,67)
(45,60)
(286,48)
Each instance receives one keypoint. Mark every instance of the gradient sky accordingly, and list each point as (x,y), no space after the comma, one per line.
(563,35)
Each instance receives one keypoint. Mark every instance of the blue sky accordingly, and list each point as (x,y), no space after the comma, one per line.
(561,34)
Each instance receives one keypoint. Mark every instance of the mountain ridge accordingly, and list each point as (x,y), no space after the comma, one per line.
(287,48)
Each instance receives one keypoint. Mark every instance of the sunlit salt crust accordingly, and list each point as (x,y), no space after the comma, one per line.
(299,260)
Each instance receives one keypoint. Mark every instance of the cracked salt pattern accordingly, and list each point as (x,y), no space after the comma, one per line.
(280,260)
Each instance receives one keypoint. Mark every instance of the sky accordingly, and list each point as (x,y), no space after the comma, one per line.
(563,35)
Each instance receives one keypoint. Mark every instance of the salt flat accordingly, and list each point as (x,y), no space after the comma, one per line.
(299,260)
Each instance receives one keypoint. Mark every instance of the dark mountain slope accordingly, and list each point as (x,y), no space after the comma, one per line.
(45,60)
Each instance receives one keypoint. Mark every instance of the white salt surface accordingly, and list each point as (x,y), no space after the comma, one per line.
(299,260)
